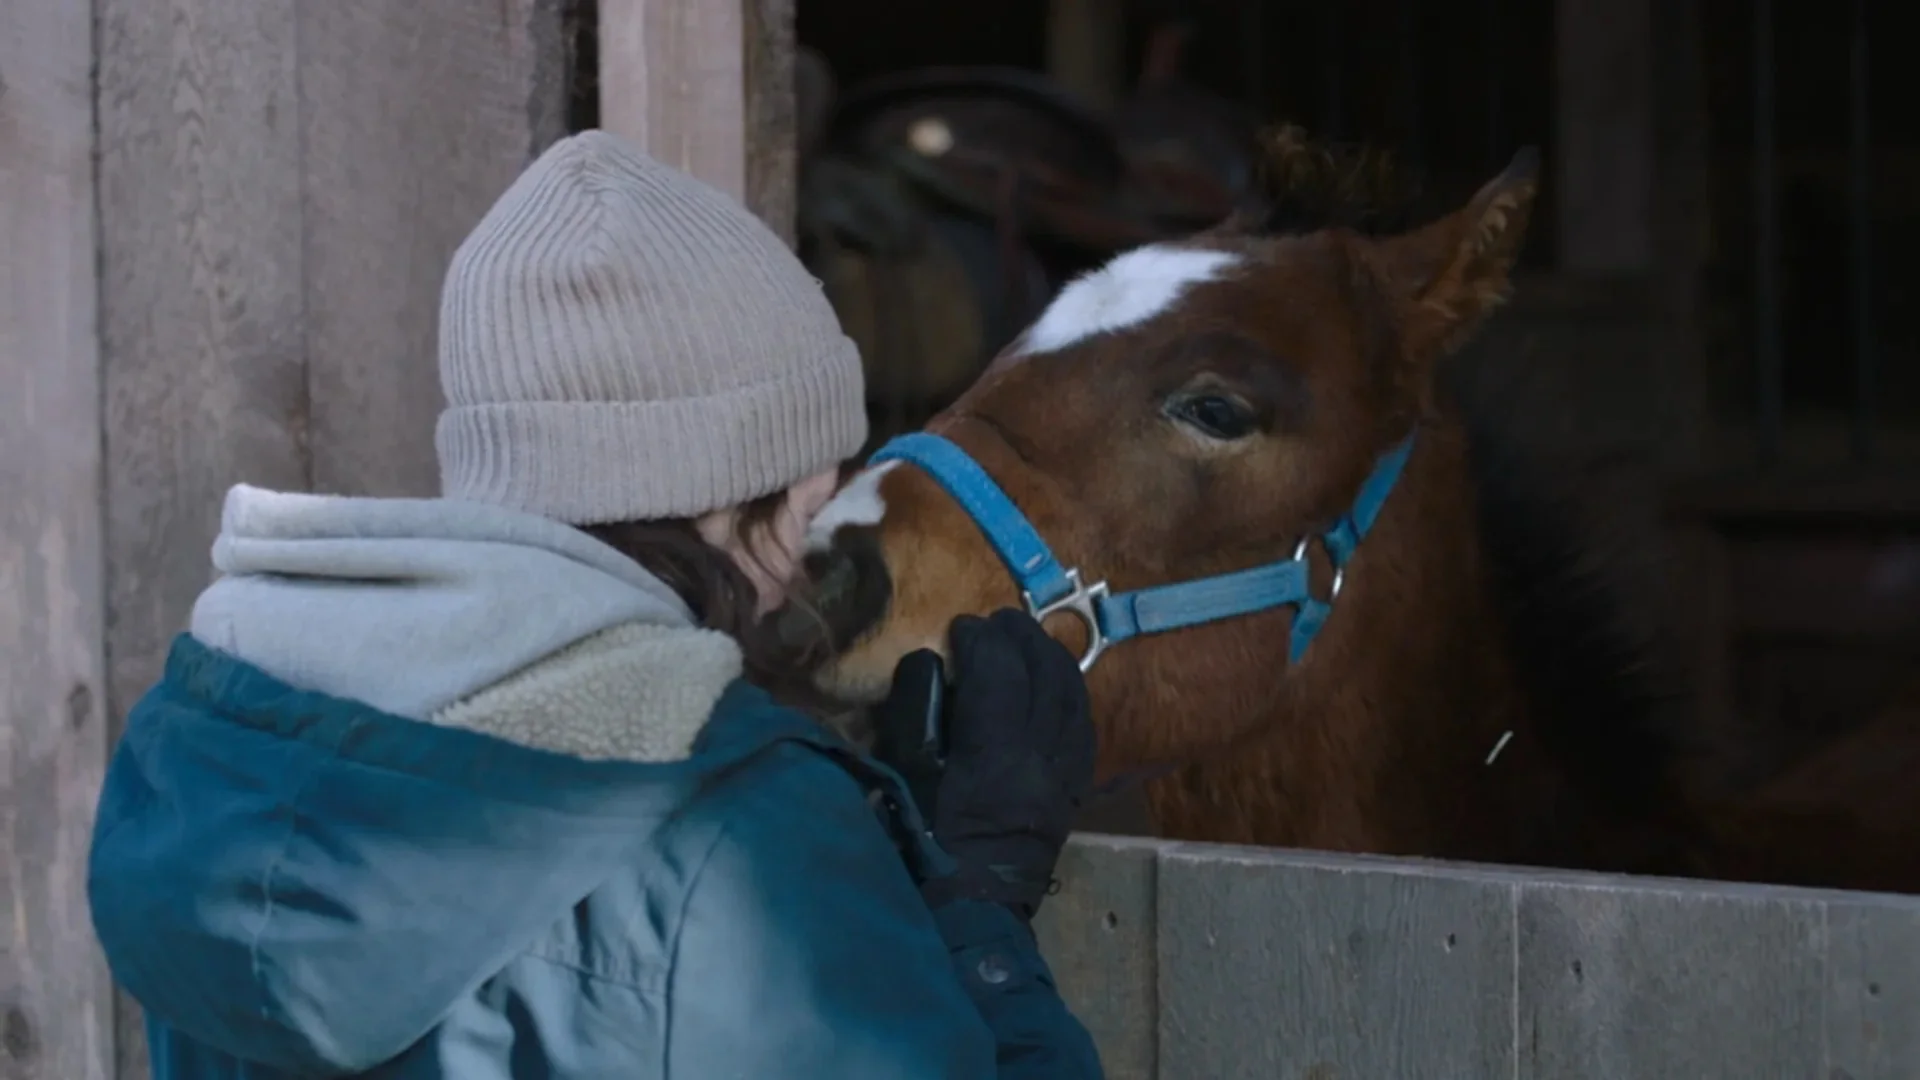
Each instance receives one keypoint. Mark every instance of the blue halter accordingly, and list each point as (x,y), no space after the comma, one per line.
(1048,587)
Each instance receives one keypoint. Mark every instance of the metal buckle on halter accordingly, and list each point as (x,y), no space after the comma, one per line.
(1083,601)
(1339,573)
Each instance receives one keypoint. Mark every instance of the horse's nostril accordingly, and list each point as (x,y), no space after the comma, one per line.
(849,585)
(832,574)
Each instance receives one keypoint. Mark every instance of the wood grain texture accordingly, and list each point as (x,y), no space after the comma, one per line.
(415,115)
(1297,966)
(772,114)
(672,79)
(1098,935)
(1625,981)
(56,1012)
(201,300)
(201,310)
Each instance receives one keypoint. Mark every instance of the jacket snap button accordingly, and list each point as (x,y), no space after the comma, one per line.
(992,971)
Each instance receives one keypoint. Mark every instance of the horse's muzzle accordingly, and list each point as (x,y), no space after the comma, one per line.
(849,585)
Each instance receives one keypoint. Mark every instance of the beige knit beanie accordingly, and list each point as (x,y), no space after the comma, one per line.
(620,342)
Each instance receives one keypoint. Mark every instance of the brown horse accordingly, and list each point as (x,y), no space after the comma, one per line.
(1321,607)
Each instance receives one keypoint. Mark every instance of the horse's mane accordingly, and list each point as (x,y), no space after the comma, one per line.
(1304,185)
(1580,606)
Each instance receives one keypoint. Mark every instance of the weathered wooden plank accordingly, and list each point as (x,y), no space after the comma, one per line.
(1628,979)
(672,79)
(1873,989)
(415,116)
(56,1003)
(1297,965)
(200,296)
(1098,936)
(201,305)
(772,114)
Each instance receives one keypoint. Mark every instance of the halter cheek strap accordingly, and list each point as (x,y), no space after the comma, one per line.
(1047,587)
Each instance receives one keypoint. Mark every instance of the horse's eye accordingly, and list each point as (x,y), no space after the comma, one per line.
(1213,415)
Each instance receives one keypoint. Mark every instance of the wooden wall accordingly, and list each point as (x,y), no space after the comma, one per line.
(55,1010)
(672,79)
(707,87)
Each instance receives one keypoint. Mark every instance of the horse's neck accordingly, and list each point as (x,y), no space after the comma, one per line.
(1379,740)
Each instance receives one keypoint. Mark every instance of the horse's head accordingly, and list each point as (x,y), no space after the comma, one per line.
(1188,410)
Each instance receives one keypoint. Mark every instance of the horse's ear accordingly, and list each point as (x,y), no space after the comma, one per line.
(1453,273)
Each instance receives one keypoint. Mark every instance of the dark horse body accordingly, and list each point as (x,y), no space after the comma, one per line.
(1480,690)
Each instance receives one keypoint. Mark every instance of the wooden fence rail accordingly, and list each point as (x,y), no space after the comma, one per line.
(1202,961)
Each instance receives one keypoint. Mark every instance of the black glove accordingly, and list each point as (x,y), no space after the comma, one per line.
(1019,750)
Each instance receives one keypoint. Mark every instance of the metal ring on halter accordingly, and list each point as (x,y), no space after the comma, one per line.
(1082,601)
(1339,572)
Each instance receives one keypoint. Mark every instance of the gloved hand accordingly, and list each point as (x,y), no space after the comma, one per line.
(1020,758)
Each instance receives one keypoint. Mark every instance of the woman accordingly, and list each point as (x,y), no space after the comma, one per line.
(473,787)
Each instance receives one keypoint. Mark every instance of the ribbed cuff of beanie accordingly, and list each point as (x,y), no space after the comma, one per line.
(588,463)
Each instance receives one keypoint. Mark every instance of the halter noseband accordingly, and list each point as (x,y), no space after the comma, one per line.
(1049,588)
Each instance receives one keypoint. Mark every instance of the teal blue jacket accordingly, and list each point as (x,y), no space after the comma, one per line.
(294,885)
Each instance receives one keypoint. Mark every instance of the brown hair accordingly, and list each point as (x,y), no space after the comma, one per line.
(722,596)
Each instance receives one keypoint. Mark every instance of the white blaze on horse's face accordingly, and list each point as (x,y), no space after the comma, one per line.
(859,503)
(1128,291)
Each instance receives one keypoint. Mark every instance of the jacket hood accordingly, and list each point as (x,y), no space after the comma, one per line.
(403,739)
(410,605)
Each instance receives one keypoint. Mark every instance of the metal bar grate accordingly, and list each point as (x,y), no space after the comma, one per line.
(1768,356)
(1859,164)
